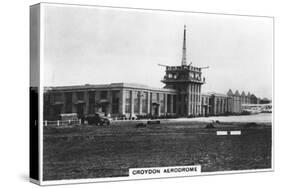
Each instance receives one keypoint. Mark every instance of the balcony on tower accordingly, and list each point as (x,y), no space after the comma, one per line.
(183,74)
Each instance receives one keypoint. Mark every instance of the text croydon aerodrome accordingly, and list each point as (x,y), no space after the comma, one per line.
(165,170)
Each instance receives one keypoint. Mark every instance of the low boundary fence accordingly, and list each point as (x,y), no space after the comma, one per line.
(62,122)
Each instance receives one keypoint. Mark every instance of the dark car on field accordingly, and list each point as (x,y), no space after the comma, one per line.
(97,119)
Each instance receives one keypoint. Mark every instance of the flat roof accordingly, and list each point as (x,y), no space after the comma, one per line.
(108,86)
(215,94)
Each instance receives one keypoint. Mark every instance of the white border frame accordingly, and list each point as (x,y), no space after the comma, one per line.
(41,90)
(114,179)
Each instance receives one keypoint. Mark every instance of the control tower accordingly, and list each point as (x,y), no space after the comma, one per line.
(187,80)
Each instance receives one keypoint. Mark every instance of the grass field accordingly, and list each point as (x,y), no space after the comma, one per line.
(92,151)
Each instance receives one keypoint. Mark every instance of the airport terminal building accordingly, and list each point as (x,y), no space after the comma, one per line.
(116,99)
(181,97)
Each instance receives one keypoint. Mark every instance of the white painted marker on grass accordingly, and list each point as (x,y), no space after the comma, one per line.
(235,132)
(219,133)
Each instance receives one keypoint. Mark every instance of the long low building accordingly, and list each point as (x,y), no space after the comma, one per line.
(130,100)
(116,99)
(229,103)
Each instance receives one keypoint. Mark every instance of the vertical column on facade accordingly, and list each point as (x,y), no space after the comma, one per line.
(214,105)
(222,105)
(97,100)
(225,105)
(122,102)
(174,103)
(148,102)
(132,101)
(159,104)
(201,106)
(184,104)
(151,106)
(233,103)
(230,104)
(74,100)
(199,100)
(195,99)
(140,97)
(236,104)
(86,99)
(109,98)
(63,103)
(209,106)
(240,105)
(219,110)
(191,99)
(188,99)
(165,103)
(177,102)
(217,105)
(171,104)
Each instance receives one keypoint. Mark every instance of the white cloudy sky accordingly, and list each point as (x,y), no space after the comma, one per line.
(105,45)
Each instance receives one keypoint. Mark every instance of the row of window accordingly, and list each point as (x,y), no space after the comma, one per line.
(192,88)
(221,106)
(81,95)
(191,75)
(141,98)
(193,98)
(92,100)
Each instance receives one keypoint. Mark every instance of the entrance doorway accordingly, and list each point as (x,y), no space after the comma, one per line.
(155,109)
(80,109)
(103,107)
(57,111)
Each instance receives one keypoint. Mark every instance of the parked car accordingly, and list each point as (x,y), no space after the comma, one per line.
(97,119)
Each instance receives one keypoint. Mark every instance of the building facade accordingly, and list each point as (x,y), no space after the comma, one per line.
(116,99)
